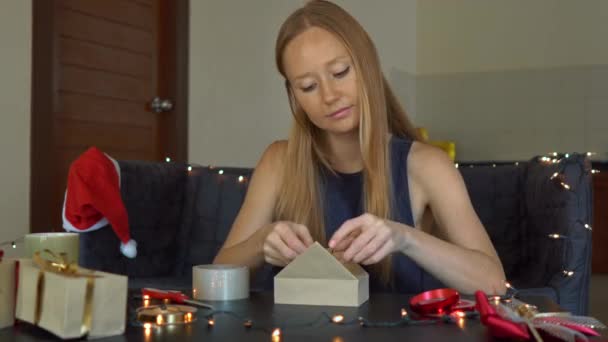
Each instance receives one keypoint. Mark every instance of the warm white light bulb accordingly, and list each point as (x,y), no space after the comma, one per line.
(337,319)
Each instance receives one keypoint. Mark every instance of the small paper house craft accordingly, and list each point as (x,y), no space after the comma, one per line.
(316,277)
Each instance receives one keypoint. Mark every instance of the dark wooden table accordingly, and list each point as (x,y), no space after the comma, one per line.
(260,308)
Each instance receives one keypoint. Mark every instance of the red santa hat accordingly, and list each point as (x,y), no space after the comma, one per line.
(92,198)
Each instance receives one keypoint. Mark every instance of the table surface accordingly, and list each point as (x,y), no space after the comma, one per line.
(293,319)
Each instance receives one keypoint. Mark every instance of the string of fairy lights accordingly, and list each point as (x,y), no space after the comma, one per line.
(552,159)
(559,178)
(457,317)
(276,331)
(13,243)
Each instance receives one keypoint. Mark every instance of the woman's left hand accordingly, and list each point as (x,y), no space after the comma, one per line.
(377,238)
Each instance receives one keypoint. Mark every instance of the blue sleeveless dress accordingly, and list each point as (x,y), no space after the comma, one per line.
(342,196)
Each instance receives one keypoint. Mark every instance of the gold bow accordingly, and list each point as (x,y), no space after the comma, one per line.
(61,265)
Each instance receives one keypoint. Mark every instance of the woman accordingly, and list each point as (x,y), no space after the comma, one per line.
(353,170)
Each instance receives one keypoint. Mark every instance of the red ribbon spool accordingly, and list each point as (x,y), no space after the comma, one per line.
(439,301)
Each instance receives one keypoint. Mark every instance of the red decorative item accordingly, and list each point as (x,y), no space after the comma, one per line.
(93,199)
(174,296)
(439,301)
(498,326)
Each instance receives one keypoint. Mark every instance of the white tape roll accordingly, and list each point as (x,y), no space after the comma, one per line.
(220,282)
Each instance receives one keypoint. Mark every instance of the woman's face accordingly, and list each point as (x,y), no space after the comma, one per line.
(321,74)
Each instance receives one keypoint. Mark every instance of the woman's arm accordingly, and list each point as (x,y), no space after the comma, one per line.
(463,258)
(254,238)
(244,243)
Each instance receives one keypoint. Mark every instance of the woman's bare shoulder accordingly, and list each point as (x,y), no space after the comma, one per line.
(274,156)
(427,160)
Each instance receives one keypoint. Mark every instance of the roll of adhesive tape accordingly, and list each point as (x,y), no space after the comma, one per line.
(220,282)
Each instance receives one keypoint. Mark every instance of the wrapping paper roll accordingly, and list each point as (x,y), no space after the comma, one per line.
(220,282)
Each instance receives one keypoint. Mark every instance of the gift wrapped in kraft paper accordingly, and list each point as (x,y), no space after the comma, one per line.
(69,301)
(7,292)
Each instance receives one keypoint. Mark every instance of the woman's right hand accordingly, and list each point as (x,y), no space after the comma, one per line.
(284,242)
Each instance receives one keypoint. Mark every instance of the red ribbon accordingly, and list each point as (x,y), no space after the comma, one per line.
(498,326)
(439,301)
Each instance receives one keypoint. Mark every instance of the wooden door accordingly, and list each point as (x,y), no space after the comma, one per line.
(600,223)
(97,64)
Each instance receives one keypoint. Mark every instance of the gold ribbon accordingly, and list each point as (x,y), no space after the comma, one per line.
(60,265)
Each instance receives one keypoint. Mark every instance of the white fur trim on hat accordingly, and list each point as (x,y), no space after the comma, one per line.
(129,249)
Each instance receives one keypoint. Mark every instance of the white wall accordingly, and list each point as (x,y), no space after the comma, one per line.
(510,79)
(504,79)
(15,70)
(237,99)
(480,35)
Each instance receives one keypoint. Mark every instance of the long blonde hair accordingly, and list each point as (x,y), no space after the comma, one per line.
(299,196)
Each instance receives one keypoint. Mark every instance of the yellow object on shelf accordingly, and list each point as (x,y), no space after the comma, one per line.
(448,146)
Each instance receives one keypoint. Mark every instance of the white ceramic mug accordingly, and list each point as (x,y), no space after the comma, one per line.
(55,242)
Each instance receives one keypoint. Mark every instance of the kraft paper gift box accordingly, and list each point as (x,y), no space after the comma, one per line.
(316,277)
(92,303)
(7,292)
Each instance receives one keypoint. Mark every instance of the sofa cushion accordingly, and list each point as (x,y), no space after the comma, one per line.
(496,195)
(153,196)
(212,201)
(558,201)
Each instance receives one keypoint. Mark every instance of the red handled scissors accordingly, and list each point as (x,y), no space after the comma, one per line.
(174,296)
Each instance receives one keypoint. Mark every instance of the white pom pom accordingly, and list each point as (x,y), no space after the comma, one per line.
(129,249)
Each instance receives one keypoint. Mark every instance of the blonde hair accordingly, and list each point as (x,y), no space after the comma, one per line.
(299,196)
